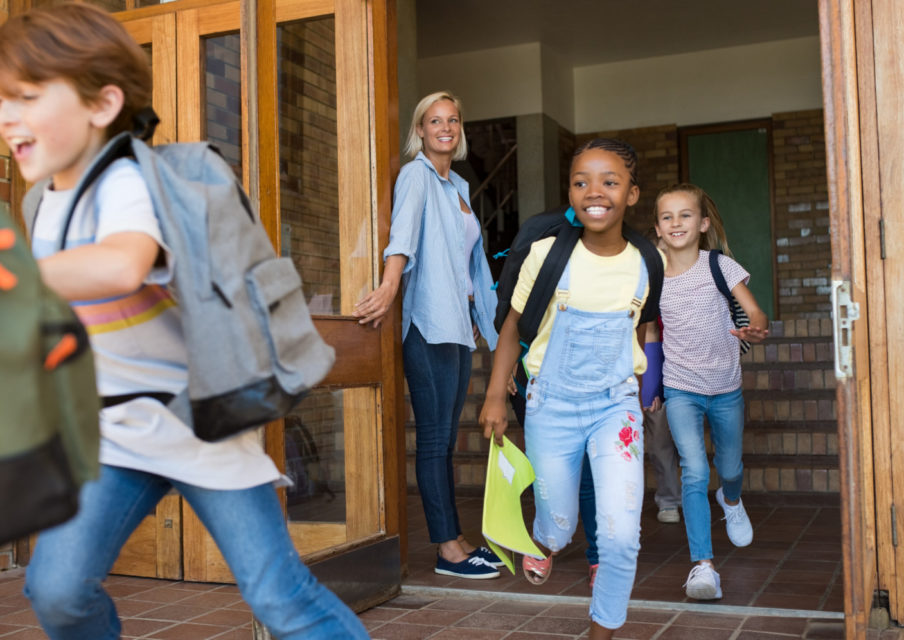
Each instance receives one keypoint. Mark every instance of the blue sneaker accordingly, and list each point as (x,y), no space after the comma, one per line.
(488,556)
(474,567)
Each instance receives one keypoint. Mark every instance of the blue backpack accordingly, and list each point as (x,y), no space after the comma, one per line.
(253,351)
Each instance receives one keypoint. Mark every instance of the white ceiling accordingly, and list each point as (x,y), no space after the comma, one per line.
(597,31)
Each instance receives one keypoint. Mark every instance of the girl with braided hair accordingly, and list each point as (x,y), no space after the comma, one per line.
(583,392)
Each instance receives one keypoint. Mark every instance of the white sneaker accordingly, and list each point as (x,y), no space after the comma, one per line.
(703,583)
(737,524)
(669,515)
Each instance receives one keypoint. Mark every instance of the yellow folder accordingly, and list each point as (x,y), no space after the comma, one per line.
(508,474)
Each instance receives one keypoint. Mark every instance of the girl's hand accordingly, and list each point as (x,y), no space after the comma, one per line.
(476,332)
(510,385)
(656,405)
(750,334)
(494,420)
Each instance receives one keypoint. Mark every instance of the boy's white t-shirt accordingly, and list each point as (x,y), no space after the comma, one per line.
(701,355)
(139,347)
(596,283)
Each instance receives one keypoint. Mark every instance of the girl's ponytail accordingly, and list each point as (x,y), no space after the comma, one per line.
(714,238)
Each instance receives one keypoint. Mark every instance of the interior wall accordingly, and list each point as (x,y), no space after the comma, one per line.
(492,83)
(557,87)
(717,85)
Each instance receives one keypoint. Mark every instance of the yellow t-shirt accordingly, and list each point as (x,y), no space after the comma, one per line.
(597,283)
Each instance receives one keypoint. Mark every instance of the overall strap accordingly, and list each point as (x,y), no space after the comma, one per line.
(637,300)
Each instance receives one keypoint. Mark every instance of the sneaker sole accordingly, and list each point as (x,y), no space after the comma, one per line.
(741,544)
(469,576)
(704,593)
(669,518)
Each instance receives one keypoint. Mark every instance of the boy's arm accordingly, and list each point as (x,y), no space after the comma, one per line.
(115,266)
(641,340)
(494,415)
(757,330)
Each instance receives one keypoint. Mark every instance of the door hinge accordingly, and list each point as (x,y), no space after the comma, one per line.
(894,527)
(882,237)
(844,312)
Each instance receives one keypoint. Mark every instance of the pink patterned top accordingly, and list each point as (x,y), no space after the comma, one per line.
(701,356)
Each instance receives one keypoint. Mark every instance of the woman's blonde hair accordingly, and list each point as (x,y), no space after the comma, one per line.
(415,143)
(714,238)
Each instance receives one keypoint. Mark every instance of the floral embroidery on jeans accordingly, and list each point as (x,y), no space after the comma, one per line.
(628,438)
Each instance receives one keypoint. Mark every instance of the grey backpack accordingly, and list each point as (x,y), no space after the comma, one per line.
(253,351)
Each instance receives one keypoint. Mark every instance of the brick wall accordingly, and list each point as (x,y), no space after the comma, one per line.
(657,165)
(309,195)
(223,107)
(308,159)
(801,233)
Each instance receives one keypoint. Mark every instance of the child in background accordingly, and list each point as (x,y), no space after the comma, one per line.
(582,393)
(660,448)
(702,371)
(71,78)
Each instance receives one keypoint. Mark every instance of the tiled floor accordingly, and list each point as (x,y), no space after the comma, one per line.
(786,585)
(793,563)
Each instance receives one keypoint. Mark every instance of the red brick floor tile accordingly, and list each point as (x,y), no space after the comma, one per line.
(481,620)
(397,631)
(224,617)
(137,627)
(637,631)
(694,633)
(475,634)
(564,626)
(432,617)
(27,634)
(792,626)
(189,631)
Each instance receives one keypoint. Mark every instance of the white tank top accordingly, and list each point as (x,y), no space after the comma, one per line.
(472,235)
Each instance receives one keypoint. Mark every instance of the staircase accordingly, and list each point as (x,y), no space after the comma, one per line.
(790,437)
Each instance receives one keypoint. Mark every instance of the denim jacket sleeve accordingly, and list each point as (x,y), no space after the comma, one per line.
(410,199)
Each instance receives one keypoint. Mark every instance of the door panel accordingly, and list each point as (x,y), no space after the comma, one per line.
(317,199)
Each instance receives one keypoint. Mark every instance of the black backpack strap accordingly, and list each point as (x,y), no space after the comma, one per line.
(655,270)
(547,279)
(716,271)
(116,148)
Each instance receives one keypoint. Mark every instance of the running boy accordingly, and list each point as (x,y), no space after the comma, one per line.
(582,395)
(70,78)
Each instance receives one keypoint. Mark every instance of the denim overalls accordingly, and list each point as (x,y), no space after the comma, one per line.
(585,398)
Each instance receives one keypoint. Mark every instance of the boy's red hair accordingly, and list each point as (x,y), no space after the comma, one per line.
(82,45)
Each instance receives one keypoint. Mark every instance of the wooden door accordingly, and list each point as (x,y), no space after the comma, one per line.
(307,120)
(863,82)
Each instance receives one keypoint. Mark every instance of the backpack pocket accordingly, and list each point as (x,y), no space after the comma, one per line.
(278,300)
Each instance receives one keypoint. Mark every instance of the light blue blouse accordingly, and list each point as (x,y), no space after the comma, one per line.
(428,228)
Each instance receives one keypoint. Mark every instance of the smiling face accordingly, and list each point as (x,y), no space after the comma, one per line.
(51,132)
(679,221)
(440,129)
(600,191)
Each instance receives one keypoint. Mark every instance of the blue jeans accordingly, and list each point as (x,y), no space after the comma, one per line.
(605,432)
(438,376)
(725,413)
(70,562)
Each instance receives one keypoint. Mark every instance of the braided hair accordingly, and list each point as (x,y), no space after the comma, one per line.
(619,147)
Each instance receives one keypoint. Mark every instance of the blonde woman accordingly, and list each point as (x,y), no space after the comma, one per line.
(436,254)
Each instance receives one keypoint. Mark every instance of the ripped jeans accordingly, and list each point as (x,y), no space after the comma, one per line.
(608,426)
